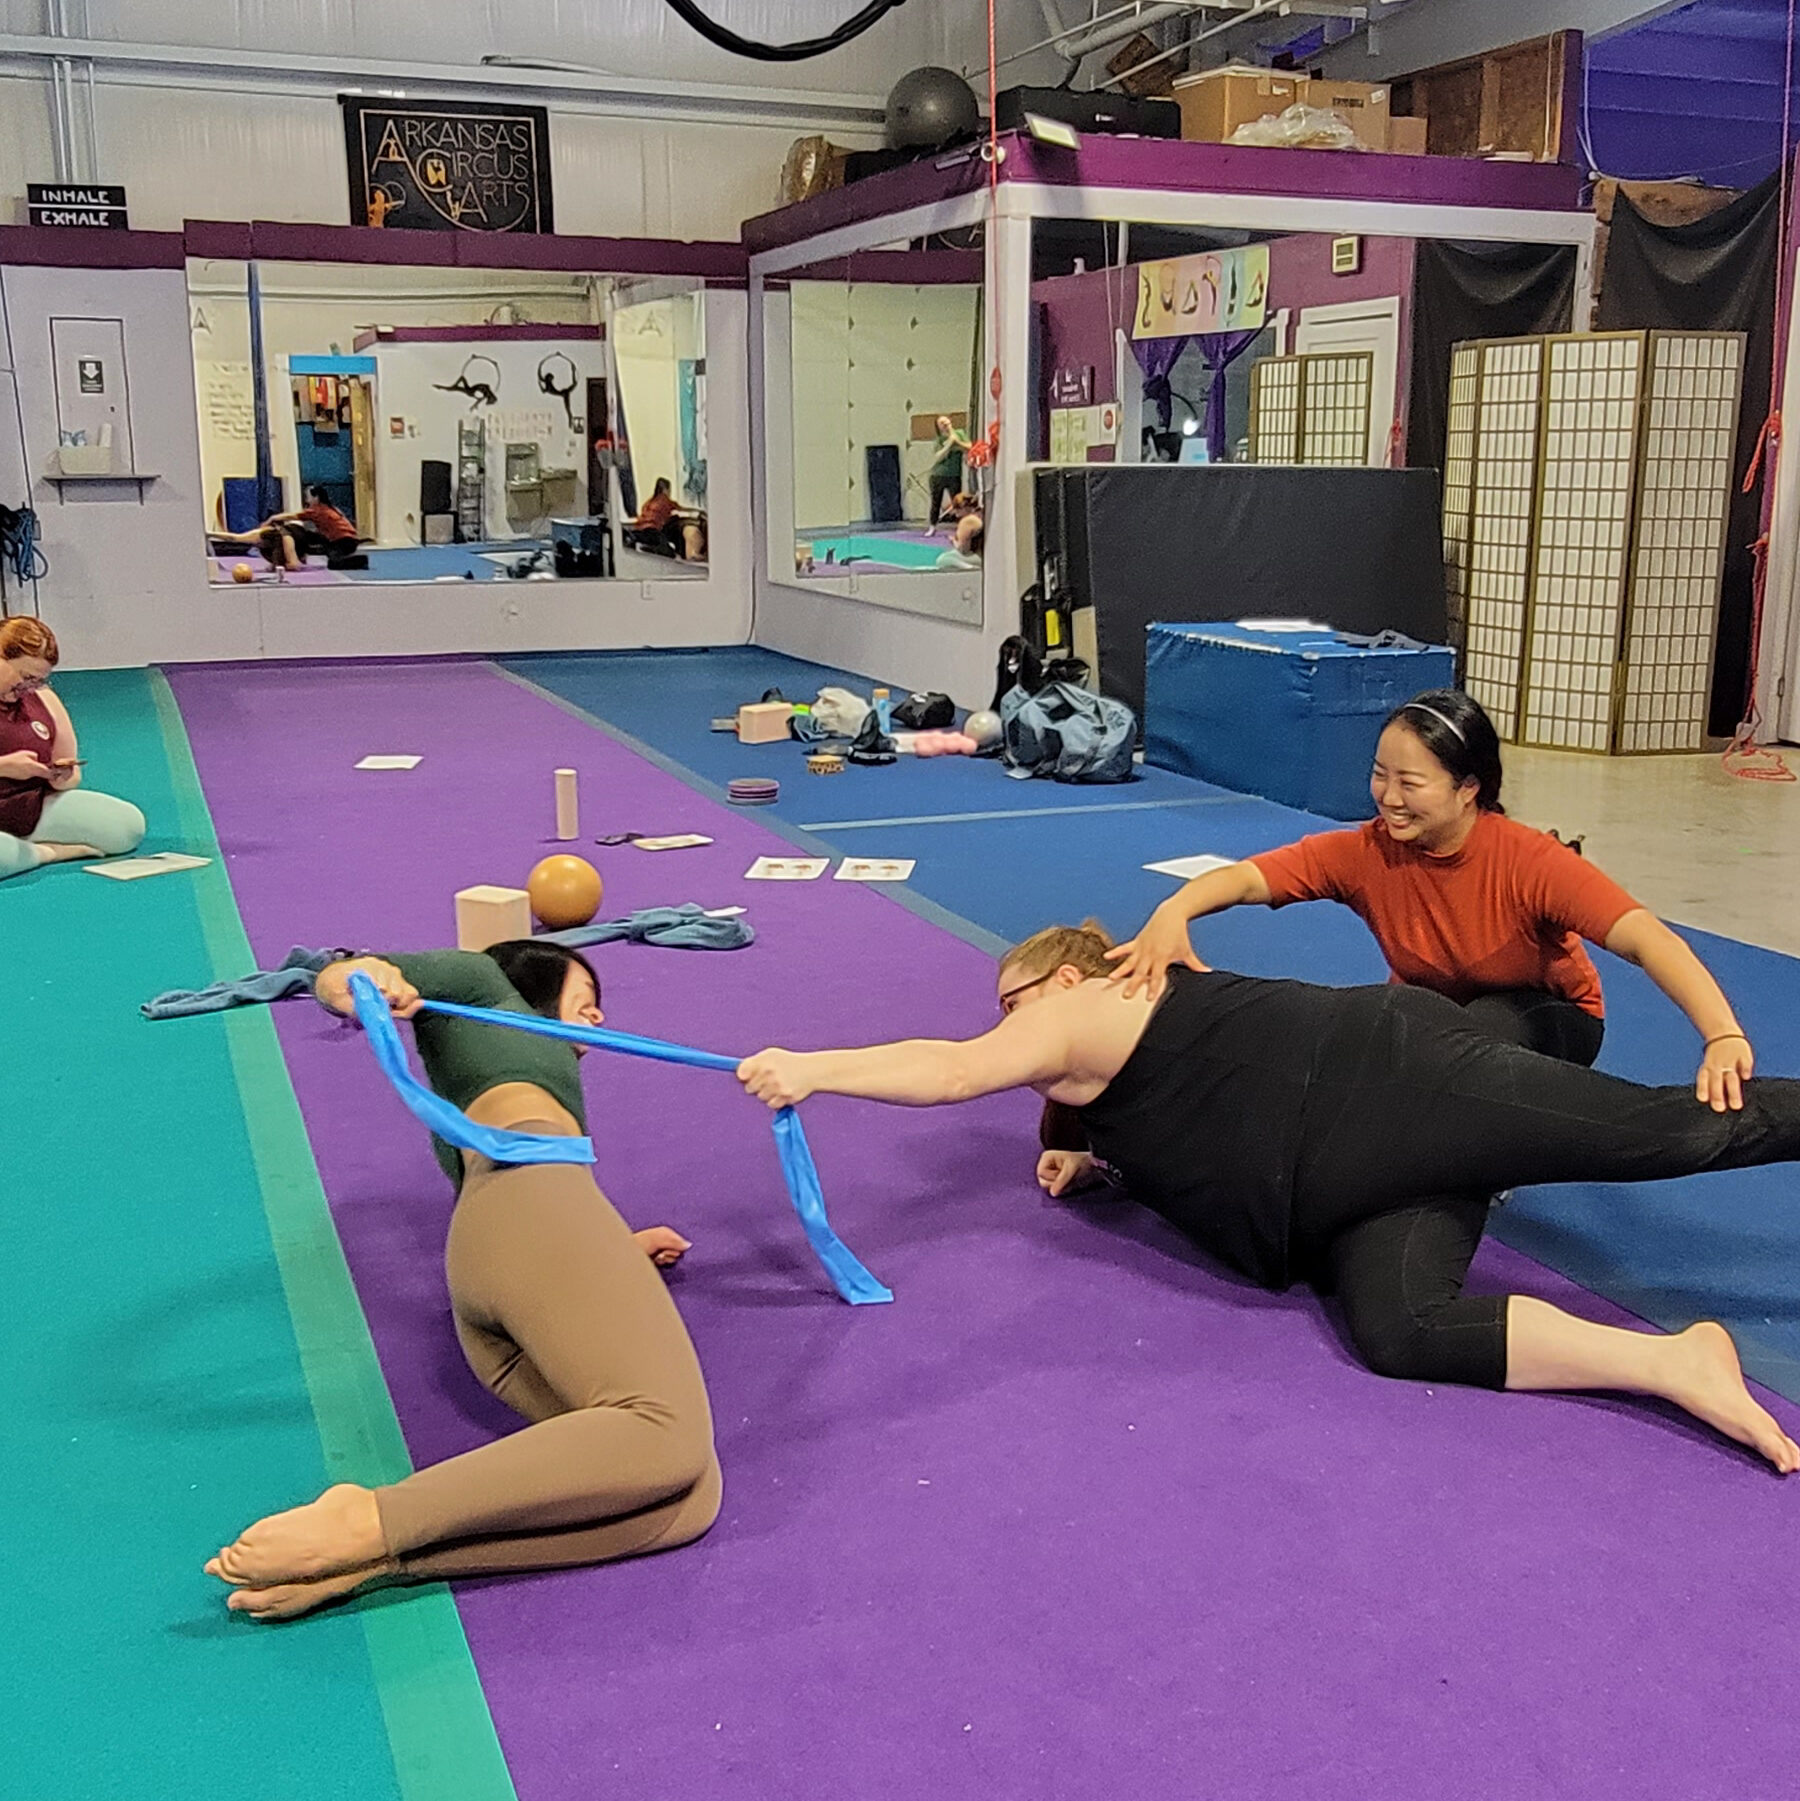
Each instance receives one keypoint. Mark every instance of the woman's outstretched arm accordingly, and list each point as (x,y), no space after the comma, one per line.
(1029,1047)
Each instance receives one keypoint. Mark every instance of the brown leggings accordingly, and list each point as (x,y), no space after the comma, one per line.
(563,1316)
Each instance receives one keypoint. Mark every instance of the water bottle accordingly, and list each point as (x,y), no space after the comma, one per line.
(884,711)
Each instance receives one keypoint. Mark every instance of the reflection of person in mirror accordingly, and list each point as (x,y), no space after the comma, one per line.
(966,542)
(288,539)
(946,466)
(665,528)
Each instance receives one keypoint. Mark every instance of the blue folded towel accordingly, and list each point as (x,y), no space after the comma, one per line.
(684,928)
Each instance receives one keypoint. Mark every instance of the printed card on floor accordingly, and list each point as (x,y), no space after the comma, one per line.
(1189,867)
(681,841)
(134,869)
(787,869)
(390,763)
(875,869)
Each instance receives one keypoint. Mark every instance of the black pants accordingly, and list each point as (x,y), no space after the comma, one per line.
(1539,1021)
(306,541)
(942,487)
(1418,1115)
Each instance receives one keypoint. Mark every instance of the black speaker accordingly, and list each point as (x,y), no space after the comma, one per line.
(881,468)
(434,488)
(1118,115)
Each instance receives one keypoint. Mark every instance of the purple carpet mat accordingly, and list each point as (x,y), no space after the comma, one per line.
(313,576)
(1077,1516)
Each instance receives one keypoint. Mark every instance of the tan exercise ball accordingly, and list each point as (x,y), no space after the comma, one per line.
(565,891)
(242,572)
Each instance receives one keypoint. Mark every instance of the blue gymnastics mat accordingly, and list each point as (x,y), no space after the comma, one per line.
(1008,857)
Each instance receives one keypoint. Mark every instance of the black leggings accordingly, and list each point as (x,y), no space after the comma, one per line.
(1540,1021)
(1418,1116)
(306,541)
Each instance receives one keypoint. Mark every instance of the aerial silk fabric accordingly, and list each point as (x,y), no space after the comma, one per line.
(847,1274)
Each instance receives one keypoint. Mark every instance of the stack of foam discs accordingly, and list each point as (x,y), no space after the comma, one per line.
(752,791)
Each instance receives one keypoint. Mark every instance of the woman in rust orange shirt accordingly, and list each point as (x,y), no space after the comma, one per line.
(1467,902)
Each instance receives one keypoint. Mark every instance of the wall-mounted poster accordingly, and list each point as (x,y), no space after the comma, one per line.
(1224,290)
(448,165)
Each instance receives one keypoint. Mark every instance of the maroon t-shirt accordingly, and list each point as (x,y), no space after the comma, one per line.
(25,725)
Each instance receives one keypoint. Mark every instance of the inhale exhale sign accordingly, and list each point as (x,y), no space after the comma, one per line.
(83,204)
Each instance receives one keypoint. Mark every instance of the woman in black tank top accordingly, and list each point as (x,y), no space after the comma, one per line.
(1350,1137)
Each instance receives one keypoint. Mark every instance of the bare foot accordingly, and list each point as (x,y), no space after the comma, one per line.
(339,1532)
(1709,1383)
(288,1600)
(663,1245)
(67,853)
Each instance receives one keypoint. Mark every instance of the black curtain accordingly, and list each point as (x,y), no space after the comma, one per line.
(1463,291)
(1717,274)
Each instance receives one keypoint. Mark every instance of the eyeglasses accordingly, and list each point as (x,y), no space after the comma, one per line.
(1012,994)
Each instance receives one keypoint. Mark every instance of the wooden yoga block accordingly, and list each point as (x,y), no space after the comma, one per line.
(764,721)
(488,915)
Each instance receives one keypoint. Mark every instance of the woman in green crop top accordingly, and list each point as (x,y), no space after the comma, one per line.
(559,1311)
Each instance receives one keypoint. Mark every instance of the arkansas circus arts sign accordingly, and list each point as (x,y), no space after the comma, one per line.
(446,165)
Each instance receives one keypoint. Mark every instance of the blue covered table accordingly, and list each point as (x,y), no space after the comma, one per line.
(1290,715)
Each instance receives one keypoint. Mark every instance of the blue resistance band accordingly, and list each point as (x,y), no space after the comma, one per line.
(848,1275)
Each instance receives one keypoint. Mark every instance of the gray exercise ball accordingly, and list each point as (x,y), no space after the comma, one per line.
(929,107)
(984,727)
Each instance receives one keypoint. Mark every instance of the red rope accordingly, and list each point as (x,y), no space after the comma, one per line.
(997,300)
(1743,757)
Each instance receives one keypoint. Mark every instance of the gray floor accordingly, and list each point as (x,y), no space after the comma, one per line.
(1691,841)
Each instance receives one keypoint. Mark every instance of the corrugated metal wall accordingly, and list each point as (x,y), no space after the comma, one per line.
(236,116)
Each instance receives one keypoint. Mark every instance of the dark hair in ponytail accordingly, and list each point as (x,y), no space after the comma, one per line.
(538,970)
(1457,731)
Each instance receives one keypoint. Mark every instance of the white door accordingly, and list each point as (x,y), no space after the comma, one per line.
(88,360)
(1372,325)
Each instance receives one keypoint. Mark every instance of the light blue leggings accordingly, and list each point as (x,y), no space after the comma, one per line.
(79,816)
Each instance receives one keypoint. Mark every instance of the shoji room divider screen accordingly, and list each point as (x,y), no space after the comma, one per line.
(1312,408)
(1586,483)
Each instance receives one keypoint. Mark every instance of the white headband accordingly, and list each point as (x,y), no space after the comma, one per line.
(1450,725)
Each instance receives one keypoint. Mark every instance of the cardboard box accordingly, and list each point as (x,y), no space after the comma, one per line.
(1214,104)
(764,721)
(1406,137)
(1362,105)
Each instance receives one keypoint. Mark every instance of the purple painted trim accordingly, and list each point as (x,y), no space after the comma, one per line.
(478,334)
(1104,162)
(893,191)
(274,241)
(1180,167)
(714,259)
(225,239)
(67,247)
